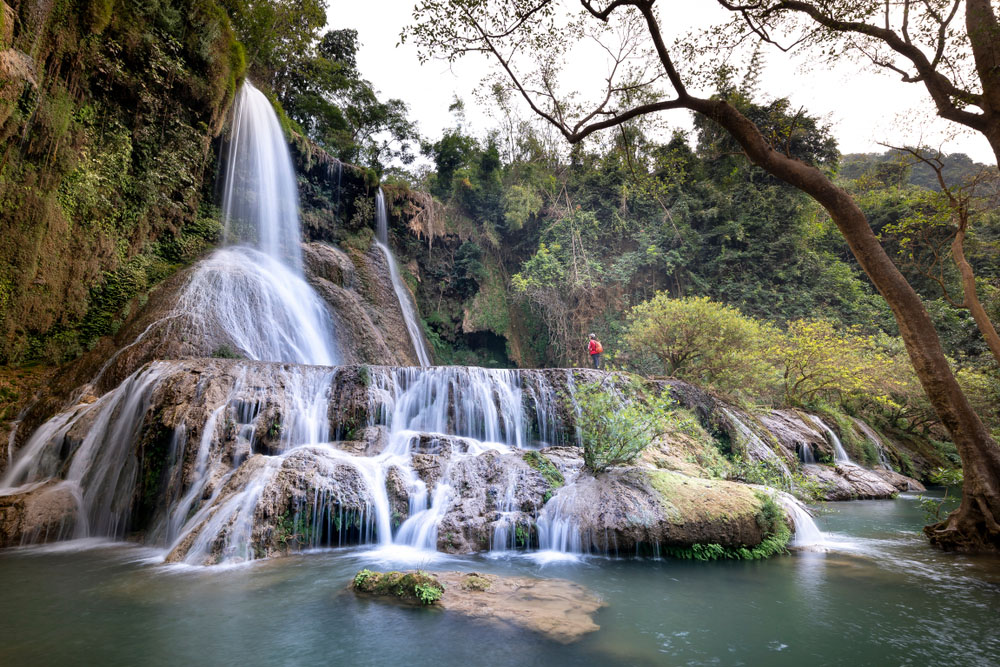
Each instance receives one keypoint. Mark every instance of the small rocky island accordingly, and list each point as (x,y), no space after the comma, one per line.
(558,609)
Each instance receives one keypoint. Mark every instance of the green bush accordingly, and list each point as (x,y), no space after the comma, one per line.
(616,429)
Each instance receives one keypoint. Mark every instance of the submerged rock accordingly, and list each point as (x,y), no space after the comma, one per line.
(558,609)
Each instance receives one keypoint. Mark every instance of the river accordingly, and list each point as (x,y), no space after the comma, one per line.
(877,596)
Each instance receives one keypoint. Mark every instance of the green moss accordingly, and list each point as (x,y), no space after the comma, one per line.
(225,351)
(476,582)
(548,470)
(415,587)
(770,518)
(695,499)
(104,181)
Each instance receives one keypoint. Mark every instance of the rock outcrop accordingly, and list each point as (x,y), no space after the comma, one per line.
(558,609)
(44,513)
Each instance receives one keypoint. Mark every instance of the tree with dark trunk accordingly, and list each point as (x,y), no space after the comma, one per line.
(641,66)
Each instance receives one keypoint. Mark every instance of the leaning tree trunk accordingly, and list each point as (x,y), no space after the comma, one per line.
(970,299)
(974,525)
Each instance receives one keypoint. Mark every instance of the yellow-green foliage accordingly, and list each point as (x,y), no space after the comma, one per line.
(704,341)
(810,362)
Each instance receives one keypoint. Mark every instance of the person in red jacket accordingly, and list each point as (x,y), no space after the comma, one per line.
(595,350)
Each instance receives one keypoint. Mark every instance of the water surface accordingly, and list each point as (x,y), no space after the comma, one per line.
(878,596)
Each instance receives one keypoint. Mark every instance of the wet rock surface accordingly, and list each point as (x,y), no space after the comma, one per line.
(850,482)
(624,509)
(45,513)
(558,609)
(227,459)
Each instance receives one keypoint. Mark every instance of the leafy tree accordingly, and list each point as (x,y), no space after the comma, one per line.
(449,153)
(275,33)
(704,341)
(322,90)
(922,42)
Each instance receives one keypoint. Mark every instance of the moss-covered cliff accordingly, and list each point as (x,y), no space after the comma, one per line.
(107,114)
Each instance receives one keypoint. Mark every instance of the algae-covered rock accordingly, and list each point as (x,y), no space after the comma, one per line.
(417,587)
(558,609)
(626,509)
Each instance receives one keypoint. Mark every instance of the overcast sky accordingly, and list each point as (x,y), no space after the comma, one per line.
(863,108)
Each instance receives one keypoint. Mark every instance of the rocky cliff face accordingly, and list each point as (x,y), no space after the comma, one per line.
(107,115)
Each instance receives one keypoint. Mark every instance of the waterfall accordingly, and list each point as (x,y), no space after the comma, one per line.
(806,532)
(254,294)
(403,296)
(557,528)
(757,450)
(260,201)
(101,470)
(873,437)
(839,453)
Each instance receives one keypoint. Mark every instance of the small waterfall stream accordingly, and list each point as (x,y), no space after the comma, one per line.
(840,454)
(403,296)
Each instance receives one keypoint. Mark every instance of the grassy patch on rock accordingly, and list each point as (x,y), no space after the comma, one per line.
(411,587)
(547,469)
(687,499)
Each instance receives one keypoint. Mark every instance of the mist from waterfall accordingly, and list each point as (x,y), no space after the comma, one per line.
(406,306)
(253,293)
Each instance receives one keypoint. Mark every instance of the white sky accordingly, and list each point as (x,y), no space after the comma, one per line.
(863,108)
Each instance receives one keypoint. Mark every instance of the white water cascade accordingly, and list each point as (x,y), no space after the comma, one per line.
(839,453)
(470,410)
(873,437)
(756,448)
(807,533)
(406,306)
(254,293)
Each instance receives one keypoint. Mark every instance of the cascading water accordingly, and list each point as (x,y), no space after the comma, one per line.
(873,437)
(254,294)
(839,453)
(807,533)
(406,306)
(101,471)
(473,410)
(756,448)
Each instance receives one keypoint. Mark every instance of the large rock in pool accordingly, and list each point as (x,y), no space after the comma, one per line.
(632,509)
(40,513)
(559,609)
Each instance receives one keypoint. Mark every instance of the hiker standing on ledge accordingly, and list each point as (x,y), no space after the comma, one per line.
(595,349)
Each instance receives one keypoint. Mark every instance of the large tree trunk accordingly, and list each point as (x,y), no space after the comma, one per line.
(983,28)
(974,526)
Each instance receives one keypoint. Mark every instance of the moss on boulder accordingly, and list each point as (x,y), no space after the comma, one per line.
(417,587)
